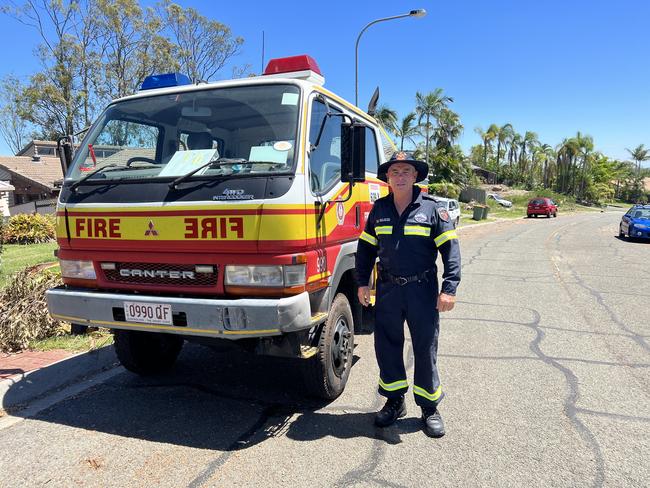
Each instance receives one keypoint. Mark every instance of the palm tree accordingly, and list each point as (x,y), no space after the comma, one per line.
(406,129)
(387,118)
(428,106)
(529,140)
(639,153)
(488,136)
(548,154)
(515,142)
(567,153)
(586,147)
(504,134)
(448,130)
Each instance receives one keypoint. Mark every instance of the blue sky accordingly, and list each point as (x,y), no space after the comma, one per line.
(552,67)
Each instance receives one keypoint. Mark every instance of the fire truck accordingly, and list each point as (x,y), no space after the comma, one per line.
(224,211)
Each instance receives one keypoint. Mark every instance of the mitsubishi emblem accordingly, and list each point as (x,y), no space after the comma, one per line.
(151,231)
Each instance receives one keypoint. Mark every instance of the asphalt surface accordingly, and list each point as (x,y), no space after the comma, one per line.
(544,362)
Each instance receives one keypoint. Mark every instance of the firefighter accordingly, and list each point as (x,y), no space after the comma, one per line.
(406,229)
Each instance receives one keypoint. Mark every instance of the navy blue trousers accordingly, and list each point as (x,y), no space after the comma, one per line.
(416,303)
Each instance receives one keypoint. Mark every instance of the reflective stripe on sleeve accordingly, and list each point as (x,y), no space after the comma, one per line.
(384,230)
(445,236)
(417,230)
(395,385)
(368,238)
(432,397)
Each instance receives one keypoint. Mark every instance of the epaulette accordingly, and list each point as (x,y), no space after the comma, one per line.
(426,196)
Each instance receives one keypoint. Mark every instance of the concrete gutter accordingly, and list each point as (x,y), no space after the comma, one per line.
(18,391)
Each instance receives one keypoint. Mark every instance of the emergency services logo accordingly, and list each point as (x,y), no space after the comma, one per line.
(340,213)
(420,217)
(444,215)
(151,231)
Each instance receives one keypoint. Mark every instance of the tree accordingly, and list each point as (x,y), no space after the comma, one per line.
(428,107)
(488,136)
(204,46)
(448,130)
(504,134)
(406,129)
(13,128)
(566,157)
(586,146)
(639,154)
(387,118)
(53,97)
(92,51)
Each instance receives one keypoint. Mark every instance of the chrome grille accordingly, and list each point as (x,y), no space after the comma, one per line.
(200,279)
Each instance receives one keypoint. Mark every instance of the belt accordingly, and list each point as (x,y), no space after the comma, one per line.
(405,280)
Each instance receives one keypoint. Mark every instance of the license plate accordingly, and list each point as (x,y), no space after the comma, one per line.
(148,313)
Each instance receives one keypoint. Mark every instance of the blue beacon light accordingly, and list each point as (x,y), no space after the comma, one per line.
(165,81)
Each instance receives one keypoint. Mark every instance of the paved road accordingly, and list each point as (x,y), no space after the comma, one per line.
(545,362)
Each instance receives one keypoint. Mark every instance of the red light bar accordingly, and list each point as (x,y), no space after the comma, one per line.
(302,62)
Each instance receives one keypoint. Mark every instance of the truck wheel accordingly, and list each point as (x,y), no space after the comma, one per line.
(328,371)
(147,353)
(78,329)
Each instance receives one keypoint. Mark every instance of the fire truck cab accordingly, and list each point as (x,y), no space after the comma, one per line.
(221,211)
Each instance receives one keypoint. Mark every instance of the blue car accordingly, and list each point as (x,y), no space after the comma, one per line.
(636,223)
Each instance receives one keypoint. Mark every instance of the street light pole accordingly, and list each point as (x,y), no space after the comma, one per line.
(413,13)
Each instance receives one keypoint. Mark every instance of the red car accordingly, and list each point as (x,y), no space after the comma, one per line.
(541,206)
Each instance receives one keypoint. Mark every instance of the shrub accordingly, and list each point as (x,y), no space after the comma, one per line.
(23,309)
(29,229)
(444,189)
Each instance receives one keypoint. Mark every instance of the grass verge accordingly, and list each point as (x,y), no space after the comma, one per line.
(74,343)
(16,257)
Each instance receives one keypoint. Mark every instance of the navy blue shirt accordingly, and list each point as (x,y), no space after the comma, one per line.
(408,244)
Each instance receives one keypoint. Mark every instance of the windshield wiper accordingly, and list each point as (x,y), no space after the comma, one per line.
(74,185)
(105,169)
(215,163)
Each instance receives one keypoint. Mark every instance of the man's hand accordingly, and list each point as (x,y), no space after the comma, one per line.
(364,295)
(445,302)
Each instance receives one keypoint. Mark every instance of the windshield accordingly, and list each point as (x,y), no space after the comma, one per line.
(167,136)
(640,213)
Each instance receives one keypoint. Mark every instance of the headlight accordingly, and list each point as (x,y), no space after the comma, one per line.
(273,276)
(641,226)
(77,269)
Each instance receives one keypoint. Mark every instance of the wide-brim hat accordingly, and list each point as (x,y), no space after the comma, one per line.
(403,157)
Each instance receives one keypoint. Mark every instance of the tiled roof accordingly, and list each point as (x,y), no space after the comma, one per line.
(46,171)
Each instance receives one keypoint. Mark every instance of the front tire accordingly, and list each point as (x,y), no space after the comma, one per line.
(621,234)
(327,373)
(147,353)
(78,329)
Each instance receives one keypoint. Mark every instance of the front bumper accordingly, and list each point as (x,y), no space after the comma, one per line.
(223,318)
(639,233)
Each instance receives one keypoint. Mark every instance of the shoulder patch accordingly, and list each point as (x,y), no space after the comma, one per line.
(444,215)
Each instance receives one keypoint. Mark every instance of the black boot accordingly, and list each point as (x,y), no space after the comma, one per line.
(433,424)
(394,409)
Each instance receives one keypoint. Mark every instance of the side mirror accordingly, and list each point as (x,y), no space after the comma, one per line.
(353,152)
(64,148)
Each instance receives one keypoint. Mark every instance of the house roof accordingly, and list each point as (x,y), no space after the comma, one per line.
(28,149)
(4,186)
(45,172)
